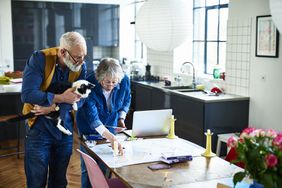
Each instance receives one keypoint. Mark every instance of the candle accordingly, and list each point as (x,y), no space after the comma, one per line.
(172,124)
(115,148)
(208,131)
(171,133)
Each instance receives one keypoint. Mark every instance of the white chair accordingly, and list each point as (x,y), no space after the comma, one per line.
(223,138)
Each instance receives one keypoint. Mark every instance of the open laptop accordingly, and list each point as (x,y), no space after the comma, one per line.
(151,122)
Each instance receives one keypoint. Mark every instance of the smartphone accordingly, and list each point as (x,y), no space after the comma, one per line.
(159,166)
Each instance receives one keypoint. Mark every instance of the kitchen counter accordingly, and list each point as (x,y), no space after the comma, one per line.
(11,88)
(195,111)
(198,95)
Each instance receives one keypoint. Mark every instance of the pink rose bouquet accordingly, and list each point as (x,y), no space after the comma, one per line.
(261,152)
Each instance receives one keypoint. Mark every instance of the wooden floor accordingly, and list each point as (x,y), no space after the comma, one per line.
(12,170)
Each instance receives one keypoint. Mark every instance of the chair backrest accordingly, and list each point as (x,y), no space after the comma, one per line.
(96,176)
(232,155)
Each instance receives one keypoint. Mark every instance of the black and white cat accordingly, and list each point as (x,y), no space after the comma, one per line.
(82,88)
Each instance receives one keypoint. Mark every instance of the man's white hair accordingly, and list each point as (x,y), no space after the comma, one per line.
(71,39)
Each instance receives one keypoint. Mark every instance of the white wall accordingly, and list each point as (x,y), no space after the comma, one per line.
(265,94)
(6,38)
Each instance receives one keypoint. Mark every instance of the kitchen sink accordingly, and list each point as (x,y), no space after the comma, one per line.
(182,88)
(188,90)
(179,87)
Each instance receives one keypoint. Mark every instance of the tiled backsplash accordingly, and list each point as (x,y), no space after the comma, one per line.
(238,57)
(161,63)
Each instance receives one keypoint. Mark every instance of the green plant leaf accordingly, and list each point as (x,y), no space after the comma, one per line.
(279,182)
(238,177)
(267,181)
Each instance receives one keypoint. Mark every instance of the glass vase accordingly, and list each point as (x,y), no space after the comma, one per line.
(255,184)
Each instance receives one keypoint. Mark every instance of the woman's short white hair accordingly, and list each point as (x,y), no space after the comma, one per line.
(71,39)
(109,67)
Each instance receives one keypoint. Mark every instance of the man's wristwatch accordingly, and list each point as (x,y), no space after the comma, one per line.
(57,108)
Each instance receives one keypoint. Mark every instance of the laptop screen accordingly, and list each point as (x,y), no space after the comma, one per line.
(151,122)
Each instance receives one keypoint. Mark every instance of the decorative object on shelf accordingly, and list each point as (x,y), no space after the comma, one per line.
(163,25)
(261,152)
(267,37)
(208,152)
(171,134)
(276,12)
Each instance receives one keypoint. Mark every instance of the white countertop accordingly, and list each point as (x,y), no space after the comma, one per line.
(13,87)
(198,95)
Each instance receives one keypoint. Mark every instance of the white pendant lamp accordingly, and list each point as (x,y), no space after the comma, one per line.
(163,25)
(276,12)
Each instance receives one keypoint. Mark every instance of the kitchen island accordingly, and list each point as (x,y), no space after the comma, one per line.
(195,111)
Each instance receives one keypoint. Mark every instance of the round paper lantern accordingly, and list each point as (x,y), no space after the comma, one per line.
(163,25)
(276,12)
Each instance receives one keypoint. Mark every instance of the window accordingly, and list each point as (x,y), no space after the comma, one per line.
(140,48)
(209,34)
(131,47)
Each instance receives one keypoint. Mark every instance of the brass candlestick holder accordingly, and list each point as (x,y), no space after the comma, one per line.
(208,152)
(171,134)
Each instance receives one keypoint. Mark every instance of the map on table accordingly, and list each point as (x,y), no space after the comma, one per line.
(144,151)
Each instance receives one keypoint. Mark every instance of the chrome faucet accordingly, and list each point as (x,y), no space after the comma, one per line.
(193,78)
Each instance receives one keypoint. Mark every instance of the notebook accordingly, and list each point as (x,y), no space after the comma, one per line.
(151,122)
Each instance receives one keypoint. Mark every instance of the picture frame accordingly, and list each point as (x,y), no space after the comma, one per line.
(267,37)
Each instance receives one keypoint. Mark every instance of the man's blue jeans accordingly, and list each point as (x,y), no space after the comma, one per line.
(43,151)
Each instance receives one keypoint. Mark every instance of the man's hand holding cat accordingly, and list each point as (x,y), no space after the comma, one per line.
(43,110)
(69,96)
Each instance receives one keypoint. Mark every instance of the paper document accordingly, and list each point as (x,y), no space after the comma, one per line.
(147,150)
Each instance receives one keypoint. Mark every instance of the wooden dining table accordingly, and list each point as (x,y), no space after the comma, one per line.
(200,172)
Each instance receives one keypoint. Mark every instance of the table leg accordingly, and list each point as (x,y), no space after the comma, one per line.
(218,147)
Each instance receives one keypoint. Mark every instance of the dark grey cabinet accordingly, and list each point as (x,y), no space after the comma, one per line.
(39,25)
(149,98)
(143,96)
(160,99)
(11,104)
(102,23)
(189,118)
(194,117)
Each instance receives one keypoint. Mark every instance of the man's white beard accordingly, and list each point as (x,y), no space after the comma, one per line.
(72,67)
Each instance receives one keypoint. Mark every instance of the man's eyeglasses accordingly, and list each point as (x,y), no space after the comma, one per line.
(77,60)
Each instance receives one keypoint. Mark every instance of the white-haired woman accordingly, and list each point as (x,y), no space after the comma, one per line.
(107,105)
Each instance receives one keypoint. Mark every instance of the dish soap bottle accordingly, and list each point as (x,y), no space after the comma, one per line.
(216,72)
